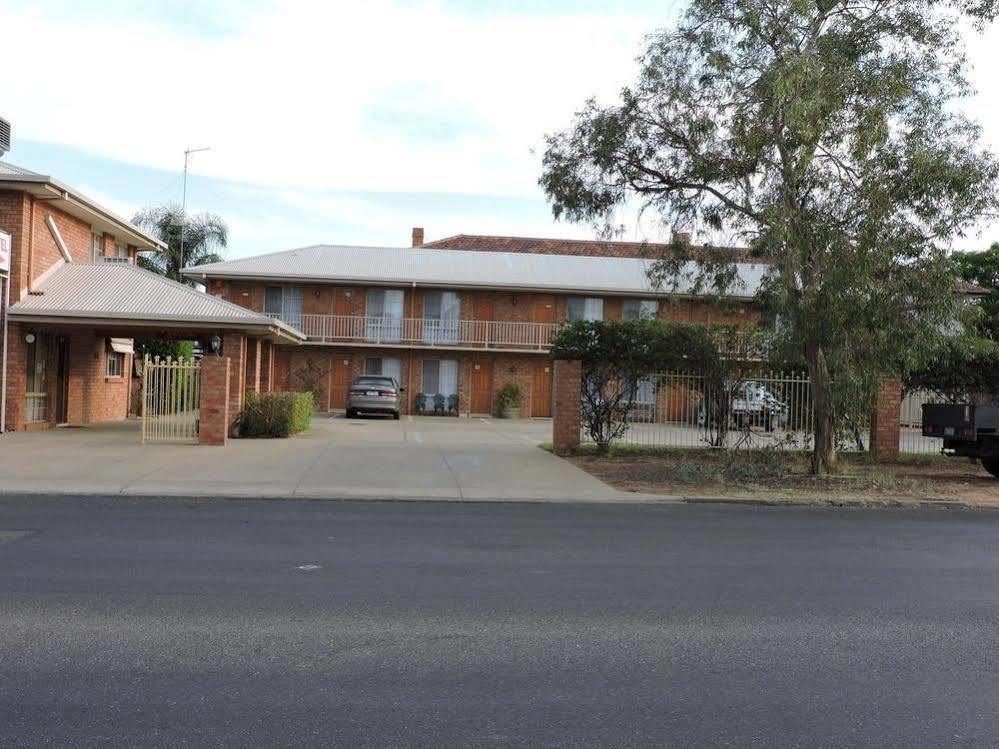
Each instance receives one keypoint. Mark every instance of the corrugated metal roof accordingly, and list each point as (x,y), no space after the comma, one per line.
(121,291)
(69,197)
(10,170)
(461,268)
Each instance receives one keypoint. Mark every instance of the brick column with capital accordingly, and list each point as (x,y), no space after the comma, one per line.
(566,411)
(214,425)
(885,430)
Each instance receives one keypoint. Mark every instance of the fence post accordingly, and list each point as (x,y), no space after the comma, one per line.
(885,429)
(214,427)
(566,414)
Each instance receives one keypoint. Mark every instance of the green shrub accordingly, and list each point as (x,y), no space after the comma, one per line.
(276,414)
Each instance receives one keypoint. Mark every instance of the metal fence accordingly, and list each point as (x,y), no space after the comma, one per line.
(910,422)
(171,400)
(677,409)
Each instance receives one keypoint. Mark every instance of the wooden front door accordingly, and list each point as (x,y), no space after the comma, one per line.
(339,381)
(544,309)
(343,305)
(541,392)
(482,388)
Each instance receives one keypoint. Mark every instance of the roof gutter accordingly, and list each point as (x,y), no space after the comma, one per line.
(67,194)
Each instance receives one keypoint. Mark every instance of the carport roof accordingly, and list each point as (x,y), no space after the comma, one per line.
(129,296)
(463,268)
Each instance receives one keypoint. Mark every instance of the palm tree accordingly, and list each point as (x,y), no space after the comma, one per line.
(205,235)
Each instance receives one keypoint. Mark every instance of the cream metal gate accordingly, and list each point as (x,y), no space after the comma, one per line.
(171,400)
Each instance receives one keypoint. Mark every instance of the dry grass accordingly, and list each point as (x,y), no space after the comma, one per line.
(784,473)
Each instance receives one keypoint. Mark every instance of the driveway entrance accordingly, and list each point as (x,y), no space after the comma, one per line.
(413,458)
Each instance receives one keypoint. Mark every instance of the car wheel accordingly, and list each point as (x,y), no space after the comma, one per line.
(396,416)
(351,413)
(991,465)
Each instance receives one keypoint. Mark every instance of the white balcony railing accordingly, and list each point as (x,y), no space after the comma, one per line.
(416,331)
(488,334)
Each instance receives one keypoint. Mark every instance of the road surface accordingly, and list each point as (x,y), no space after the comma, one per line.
(210,622)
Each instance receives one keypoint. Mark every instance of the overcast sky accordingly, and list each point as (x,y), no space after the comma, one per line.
(341,122)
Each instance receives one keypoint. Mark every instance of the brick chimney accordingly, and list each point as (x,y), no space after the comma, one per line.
(417,236)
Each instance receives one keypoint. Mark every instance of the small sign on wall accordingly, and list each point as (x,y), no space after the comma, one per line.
(4,253)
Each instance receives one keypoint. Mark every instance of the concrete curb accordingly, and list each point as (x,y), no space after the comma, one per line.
(623,499)
(846,502)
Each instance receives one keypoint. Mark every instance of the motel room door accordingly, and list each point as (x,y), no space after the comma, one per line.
(339,381)
(482,388)
(541,391)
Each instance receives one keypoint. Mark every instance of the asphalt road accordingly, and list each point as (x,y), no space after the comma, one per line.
(165,622)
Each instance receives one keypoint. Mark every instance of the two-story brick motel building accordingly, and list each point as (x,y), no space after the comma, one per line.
(459,318)
(78,301)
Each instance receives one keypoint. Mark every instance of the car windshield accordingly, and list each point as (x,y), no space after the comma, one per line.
(375,382)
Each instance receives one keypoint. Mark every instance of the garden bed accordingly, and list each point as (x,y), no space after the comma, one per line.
(784,474)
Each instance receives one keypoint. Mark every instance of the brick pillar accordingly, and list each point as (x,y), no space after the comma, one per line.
(253,364)
(214,426)
(566,411)
(885,420)
(234,348)
(267,367)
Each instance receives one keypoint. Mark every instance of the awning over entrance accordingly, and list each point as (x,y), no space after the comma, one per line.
(123,297)
(122,345)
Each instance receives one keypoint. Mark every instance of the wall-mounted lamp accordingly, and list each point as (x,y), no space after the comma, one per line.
(29,338)
(216,344)
(514,300)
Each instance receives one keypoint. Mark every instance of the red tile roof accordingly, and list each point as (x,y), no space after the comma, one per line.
(542,246)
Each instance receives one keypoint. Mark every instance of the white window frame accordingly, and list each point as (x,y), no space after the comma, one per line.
(114,365)
(96,246)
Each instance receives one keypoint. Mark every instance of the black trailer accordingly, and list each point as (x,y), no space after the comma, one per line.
(968,430)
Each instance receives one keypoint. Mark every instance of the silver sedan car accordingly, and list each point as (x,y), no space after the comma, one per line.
(374,394)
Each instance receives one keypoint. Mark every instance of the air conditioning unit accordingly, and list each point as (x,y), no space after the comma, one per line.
(4,136)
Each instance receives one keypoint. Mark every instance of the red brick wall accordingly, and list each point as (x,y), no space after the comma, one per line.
(567,414)
(885,421)
(215,377)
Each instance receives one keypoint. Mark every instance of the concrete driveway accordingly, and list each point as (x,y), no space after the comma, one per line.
(414,458)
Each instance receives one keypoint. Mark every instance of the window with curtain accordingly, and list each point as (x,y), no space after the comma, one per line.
(284,303)
(441,317)
(95,247)
(384,366)
(383,313)
(586,308)
(440,377)
(638,309)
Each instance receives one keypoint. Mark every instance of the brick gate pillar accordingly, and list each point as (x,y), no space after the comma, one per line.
(885,429)
(234,349)
(214,425)
(566,413)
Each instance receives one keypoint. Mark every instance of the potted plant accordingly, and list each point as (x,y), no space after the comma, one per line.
(508,402)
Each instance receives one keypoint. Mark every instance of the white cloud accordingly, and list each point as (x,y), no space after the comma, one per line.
(287,96)
(307,98)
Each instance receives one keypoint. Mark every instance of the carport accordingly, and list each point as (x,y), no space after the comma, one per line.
(70,353)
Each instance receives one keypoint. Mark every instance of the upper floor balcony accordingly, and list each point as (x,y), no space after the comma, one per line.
(464,334)
(423,332)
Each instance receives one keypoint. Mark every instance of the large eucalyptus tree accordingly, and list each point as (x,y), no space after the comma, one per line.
(825,134)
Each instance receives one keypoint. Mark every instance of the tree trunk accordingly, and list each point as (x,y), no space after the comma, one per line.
(824,458)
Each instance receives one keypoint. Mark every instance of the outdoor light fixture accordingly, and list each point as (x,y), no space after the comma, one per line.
(216,343)
(29,338)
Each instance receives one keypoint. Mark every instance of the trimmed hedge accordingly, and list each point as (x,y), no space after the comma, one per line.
(276,414)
